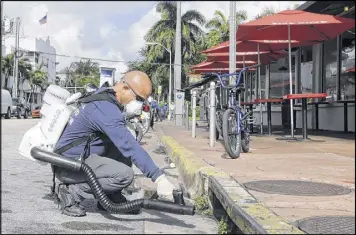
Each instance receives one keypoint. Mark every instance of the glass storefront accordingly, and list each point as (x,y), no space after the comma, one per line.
(279,77)
(306,67)
(347,78)
(330,69)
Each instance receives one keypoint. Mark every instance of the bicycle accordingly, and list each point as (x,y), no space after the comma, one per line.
(235,121)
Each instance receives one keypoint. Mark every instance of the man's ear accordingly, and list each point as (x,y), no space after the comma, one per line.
(125,87)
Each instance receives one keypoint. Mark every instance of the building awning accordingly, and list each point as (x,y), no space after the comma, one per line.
(326,7)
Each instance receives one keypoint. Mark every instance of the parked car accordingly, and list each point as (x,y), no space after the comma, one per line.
(20,108)
(36,112)
(6,103)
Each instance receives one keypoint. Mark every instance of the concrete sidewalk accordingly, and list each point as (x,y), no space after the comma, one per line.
(332,161)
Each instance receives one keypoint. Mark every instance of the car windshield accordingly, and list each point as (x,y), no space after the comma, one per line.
(38,108)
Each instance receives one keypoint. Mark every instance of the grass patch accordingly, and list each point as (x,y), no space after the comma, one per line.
(202,205)
(223,226)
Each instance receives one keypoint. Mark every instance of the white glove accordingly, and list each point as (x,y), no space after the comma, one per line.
(164,188)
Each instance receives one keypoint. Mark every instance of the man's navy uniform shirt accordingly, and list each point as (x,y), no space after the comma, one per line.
(105,117)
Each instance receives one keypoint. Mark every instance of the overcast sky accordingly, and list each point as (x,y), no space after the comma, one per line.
(106,30)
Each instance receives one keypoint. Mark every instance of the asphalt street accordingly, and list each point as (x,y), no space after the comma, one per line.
(26,205)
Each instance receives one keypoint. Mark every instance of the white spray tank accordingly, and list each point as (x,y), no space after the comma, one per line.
(55,115)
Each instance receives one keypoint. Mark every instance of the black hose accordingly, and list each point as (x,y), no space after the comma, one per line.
(103,198)
(73,165)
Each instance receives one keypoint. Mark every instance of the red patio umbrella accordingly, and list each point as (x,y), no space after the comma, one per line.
(248,46)
(218,64)
(294,25)
(265,57)
(306,26)
(215,70)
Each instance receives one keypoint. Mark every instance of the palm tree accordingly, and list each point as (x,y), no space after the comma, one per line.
(164,32)
(85,67)
(219,27)
(24,69)
(37,78)
(7,64)
(80,70)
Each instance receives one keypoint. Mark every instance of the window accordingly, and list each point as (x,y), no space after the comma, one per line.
(347,76)
(307,54)
(306,70)
(261,95)
(330,69)
(36,58)
(30,53)
(279,78)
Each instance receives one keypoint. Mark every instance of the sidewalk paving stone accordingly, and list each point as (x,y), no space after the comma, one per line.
(332,161)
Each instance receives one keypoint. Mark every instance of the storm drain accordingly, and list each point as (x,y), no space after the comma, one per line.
(328,225)
(297,188)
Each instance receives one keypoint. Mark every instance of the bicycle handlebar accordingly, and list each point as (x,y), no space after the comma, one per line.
(211,76)
(231,74)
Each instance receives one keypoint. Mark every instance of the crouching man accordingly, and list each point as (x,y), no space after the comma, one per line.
(113,171)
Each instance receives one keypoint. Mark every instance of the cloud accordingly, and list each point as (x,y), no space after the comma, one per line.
(87,29)
(107,30)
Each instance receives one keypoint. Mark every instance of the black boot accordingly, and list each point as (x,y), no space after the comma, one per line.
(118,198)
(68,205)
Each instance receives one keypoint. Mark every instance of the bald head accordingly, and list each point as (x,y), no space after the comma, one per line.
(134,85)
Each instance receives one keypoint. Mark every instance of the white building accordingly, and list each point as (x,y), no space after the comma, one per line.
(107,74)
(39,53)
(43,53)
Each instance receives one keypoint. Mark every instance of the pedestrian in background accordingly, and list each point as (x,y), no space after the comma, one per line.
(164,111)
(171,111)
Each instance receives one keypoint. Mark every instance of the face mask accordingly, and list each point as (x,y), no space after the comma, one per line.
(134,108)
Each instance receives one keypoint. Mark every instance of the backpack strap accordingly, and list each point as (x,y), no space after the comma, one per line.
(101,96)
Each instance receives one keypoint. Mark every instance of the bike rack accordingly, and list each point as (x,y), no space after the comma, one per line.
(194,105)
(212,115)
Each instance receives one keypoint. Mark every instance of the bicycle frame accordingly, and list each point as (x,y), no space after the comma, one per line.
(232,94)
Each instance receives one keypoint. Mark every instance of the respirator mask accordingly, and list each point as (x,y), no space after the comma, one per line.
(134,108)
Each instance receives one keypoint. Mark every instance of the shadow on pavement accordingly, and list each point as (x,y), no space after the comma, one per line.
(163,219)
(90,226)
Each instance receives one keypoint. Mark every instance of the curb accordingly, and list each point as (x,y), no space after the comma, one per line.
(198,177)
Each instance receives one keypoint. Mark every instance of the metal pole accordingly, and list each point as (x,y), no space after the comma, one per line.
(170,79)
(2,29)
(259,88)
(251,83)
(290,83)
(212,115)
(194,105)
(177,66)
(15,68)
(245,84)
(232,37)
(186,115)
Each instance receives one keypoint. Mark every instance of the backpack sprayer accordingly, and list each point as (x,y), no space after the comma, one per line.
(39,142)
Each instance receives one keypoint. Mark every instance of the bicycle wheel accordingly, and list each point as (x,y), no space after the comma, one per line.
(232,140)
(245,138)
